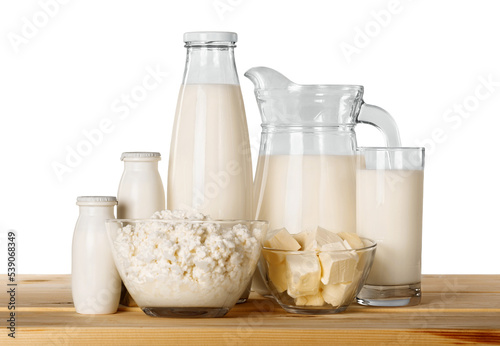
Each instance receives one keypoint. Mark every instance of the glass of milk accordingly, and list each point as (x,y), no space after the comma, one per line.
(389,201)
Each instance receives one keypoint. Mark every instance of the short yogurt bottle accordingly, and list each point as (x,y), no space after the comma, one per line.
(95,282)
(140,193)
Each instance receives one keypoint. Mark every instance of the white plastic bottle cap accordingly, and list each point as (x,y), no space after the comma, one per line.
(138,155)
(210,36)
(96,200)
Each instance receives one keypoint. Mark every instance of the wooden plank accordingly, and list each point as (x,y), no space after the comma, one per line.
(274,320)
(40,293)
(461,283)
(454,309)
(275,337)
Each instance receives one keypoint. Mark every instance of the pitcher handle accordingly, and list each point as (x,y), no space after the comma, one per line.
(382,120)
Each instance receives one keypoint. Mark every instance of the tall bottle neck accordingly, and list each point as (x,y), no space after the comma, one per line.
(212,63)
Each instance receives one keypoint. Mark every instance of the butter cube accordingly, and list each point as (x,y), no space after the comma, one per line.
(313,300)
(337,267)
(282,240)
(303,274)
(277,275)
(353,239)
(337,294)
(304,238)
(313,240)
(324,236)
(273,257)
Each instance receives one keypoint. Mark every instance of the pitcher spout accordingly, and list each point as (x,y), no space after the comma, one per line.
(285,103)
(267,78)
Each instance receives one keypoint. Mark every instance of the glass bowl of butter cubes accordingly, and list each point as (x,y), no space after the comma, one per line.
(315,272)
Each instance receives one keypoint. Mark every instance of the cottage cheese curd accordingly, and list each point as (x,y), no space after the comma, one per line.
(173,262)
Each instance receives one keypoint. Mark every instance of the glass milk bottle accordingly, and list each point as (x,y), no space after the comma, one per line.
(141,192)
(95,282)
(210,167)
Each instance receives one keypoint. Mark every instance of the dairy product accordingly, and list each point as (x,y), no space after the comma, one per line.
(314,240)
(283,240)
(303,273)
(140,192)
(313,277)
(336,294)
(95,282)
(277,275)
(337,266)
(302,192)
(181,264)
(313,300)
(389,211)
(352,239)
(210,166)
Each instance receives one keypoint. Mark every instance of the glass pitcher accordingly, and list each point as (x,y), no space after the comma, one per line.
(306,168)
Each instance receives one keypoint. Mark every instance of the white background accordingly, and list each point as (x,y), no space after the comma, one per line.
(64,75)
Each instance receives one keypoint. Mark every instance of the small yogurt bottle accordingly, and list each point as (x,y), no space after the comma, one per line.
(95,282)
(141,192)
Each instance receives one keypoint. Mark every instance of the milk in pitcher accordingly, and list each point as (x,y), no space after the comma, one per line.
(302,192)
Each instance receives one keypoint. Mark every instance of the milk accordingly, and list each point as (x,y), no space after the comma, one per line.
(302,192)
(210,167)
(95,282)
(140,192)
(389,211)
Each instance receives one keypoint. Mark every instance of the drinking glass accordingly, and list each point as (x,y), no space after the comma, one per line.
(389,202)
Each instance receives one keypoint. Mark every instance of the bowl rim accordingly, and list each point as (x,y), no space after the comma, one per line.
(219,221)
(308,252)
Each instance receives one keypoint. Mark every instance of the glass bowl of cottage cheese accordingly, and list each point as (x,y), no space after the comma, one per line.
(182,264)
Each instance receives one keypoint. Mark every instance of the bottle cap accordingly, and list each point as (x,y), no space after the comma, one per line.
(141,156)
(96,200)
(210,36)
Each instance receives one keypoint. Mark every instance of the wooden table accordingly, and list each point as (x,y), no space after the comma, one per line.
(455,309)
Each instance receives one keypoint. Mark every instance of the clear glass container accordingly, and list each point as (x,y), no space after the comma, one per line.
(390,192)
(309,295)
(210,165)
(306,171)
(168,278)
